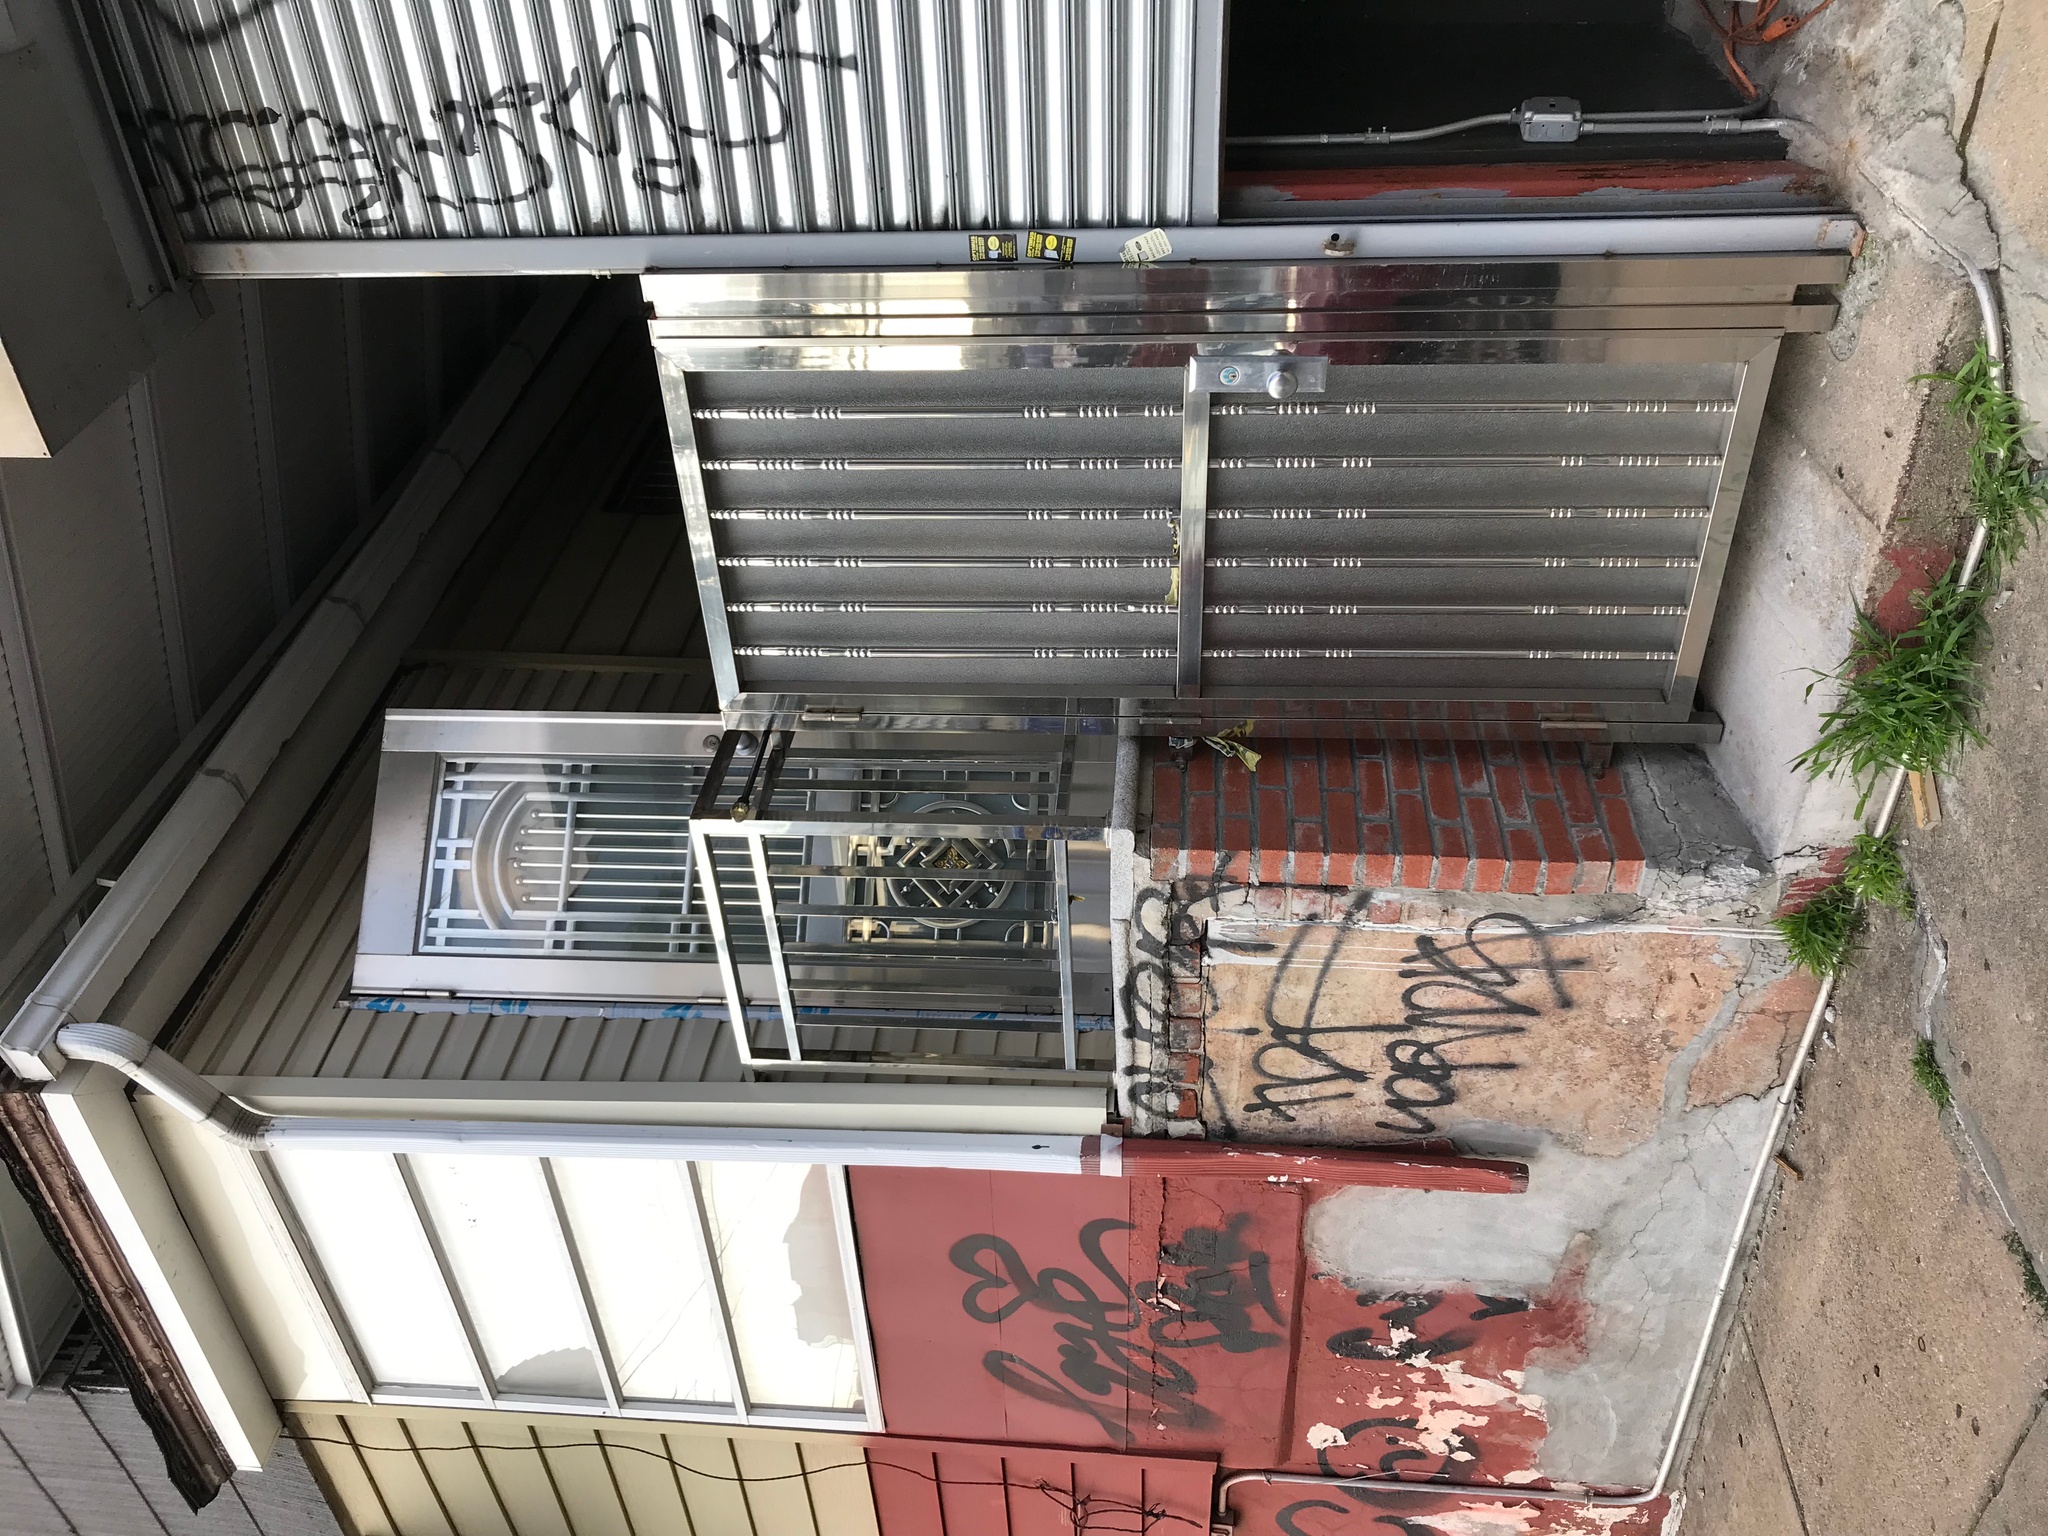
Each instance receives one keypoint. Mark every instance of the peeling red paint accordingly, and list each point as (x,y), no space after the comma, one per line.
(1918,567)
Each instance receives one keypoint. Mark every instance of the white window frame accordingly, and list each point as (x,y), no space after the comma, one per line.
(614,1403)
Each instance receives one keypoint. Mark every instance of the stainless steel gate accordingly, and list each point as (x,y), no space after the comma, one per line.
(1018,495)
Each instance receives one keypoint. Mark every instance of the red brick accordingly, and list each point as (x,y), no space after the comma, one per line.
(1376,866)
(1452,860)
(1308,849)
(1489,854)
(1237,834)
(1525,862)
(1200,831)
(1557,839)
(1630,864)
(1187,998)
(1405,764)
(1305,785)
(1270,901)
(1272,866)
(1471,759)
(1237,790)
(1577,795)
(1373,803)
(1337,772)
(1608,780)
(1271,818)
(1500,751)
(1511,792)
(1164,861)
(1442,785)
(1308,904)
(1596,859)
(1536,767)
(1202,772)
(1187,1105)
(1185,1035)
(1202,862)
(1273,757)
(1341,824)
(1413,824)
(1168,782)
(1383,912)
(1234,866)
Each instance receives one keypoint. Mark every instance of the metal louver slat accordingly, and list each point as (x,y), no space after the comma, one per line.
(1511,486)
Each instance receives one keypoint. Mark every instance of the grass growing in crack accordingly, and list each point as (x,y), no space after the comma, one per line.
(1903,701)
(1928,1074)
(1874,873)
(2003,490)
(1821,934)
(2030,1277)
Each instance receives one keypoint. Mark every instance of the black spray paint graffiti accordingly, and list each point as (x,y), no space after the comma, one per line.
(1486,986)
(1224,1288)
(1387,1446)
(500,148)
(1108,1345)
(1167,924)
(1402,1335)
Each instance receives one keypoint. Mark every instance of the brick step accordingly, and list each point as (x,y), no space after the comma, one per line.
(1522,817)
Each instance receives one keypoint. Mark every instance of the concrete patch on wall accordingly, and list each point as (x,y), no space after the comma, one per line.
(1450,1021)
(1637,1240)
(1545,1336)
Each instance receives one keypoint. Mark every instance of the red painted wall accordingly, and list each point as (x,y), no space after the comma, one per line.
(1142,1313)
(1156,1316)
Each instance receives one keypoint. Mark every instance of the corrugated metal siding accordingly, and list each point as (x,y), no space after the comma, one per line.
(205,410)
(349,118)
(419,1472)
(83,560)
(25,882)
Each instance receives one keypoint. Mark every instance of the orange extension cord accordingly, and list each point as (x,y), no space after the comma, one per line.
(1761,27)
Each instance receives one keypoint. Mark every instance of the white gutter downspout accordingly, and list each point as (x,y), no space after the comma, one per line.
(1973,557)
(93,966)
(252,1131)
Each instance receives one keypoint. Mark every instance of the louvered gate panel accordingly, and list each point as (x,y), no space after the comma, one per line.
(1458,531)
(1010,498)
(930,531)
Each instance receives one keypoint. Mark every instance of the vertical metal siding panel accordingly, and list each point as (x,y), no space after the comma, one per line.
(213,490)
(320,119)
(309,411)
(82,555)
(25,882)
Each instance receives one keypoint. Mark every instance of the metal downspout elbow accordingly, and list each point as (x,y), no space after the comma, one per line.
(169,1079)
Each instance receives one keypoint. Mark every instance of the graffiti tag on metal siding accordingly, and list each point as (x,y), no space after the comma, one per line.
(274,158)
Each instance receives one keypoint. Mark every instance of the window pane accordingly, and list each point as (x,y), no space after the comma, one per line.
(634,1223)
(354,1208)
(498,1226)
(778,1253)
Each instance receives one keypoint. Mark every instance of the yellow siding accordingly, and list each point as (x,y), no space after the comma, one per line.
(450,1472)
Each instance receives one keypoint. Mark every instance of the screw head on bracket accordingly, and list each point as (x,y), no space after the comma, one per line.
(1282,385)
(1229,374)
